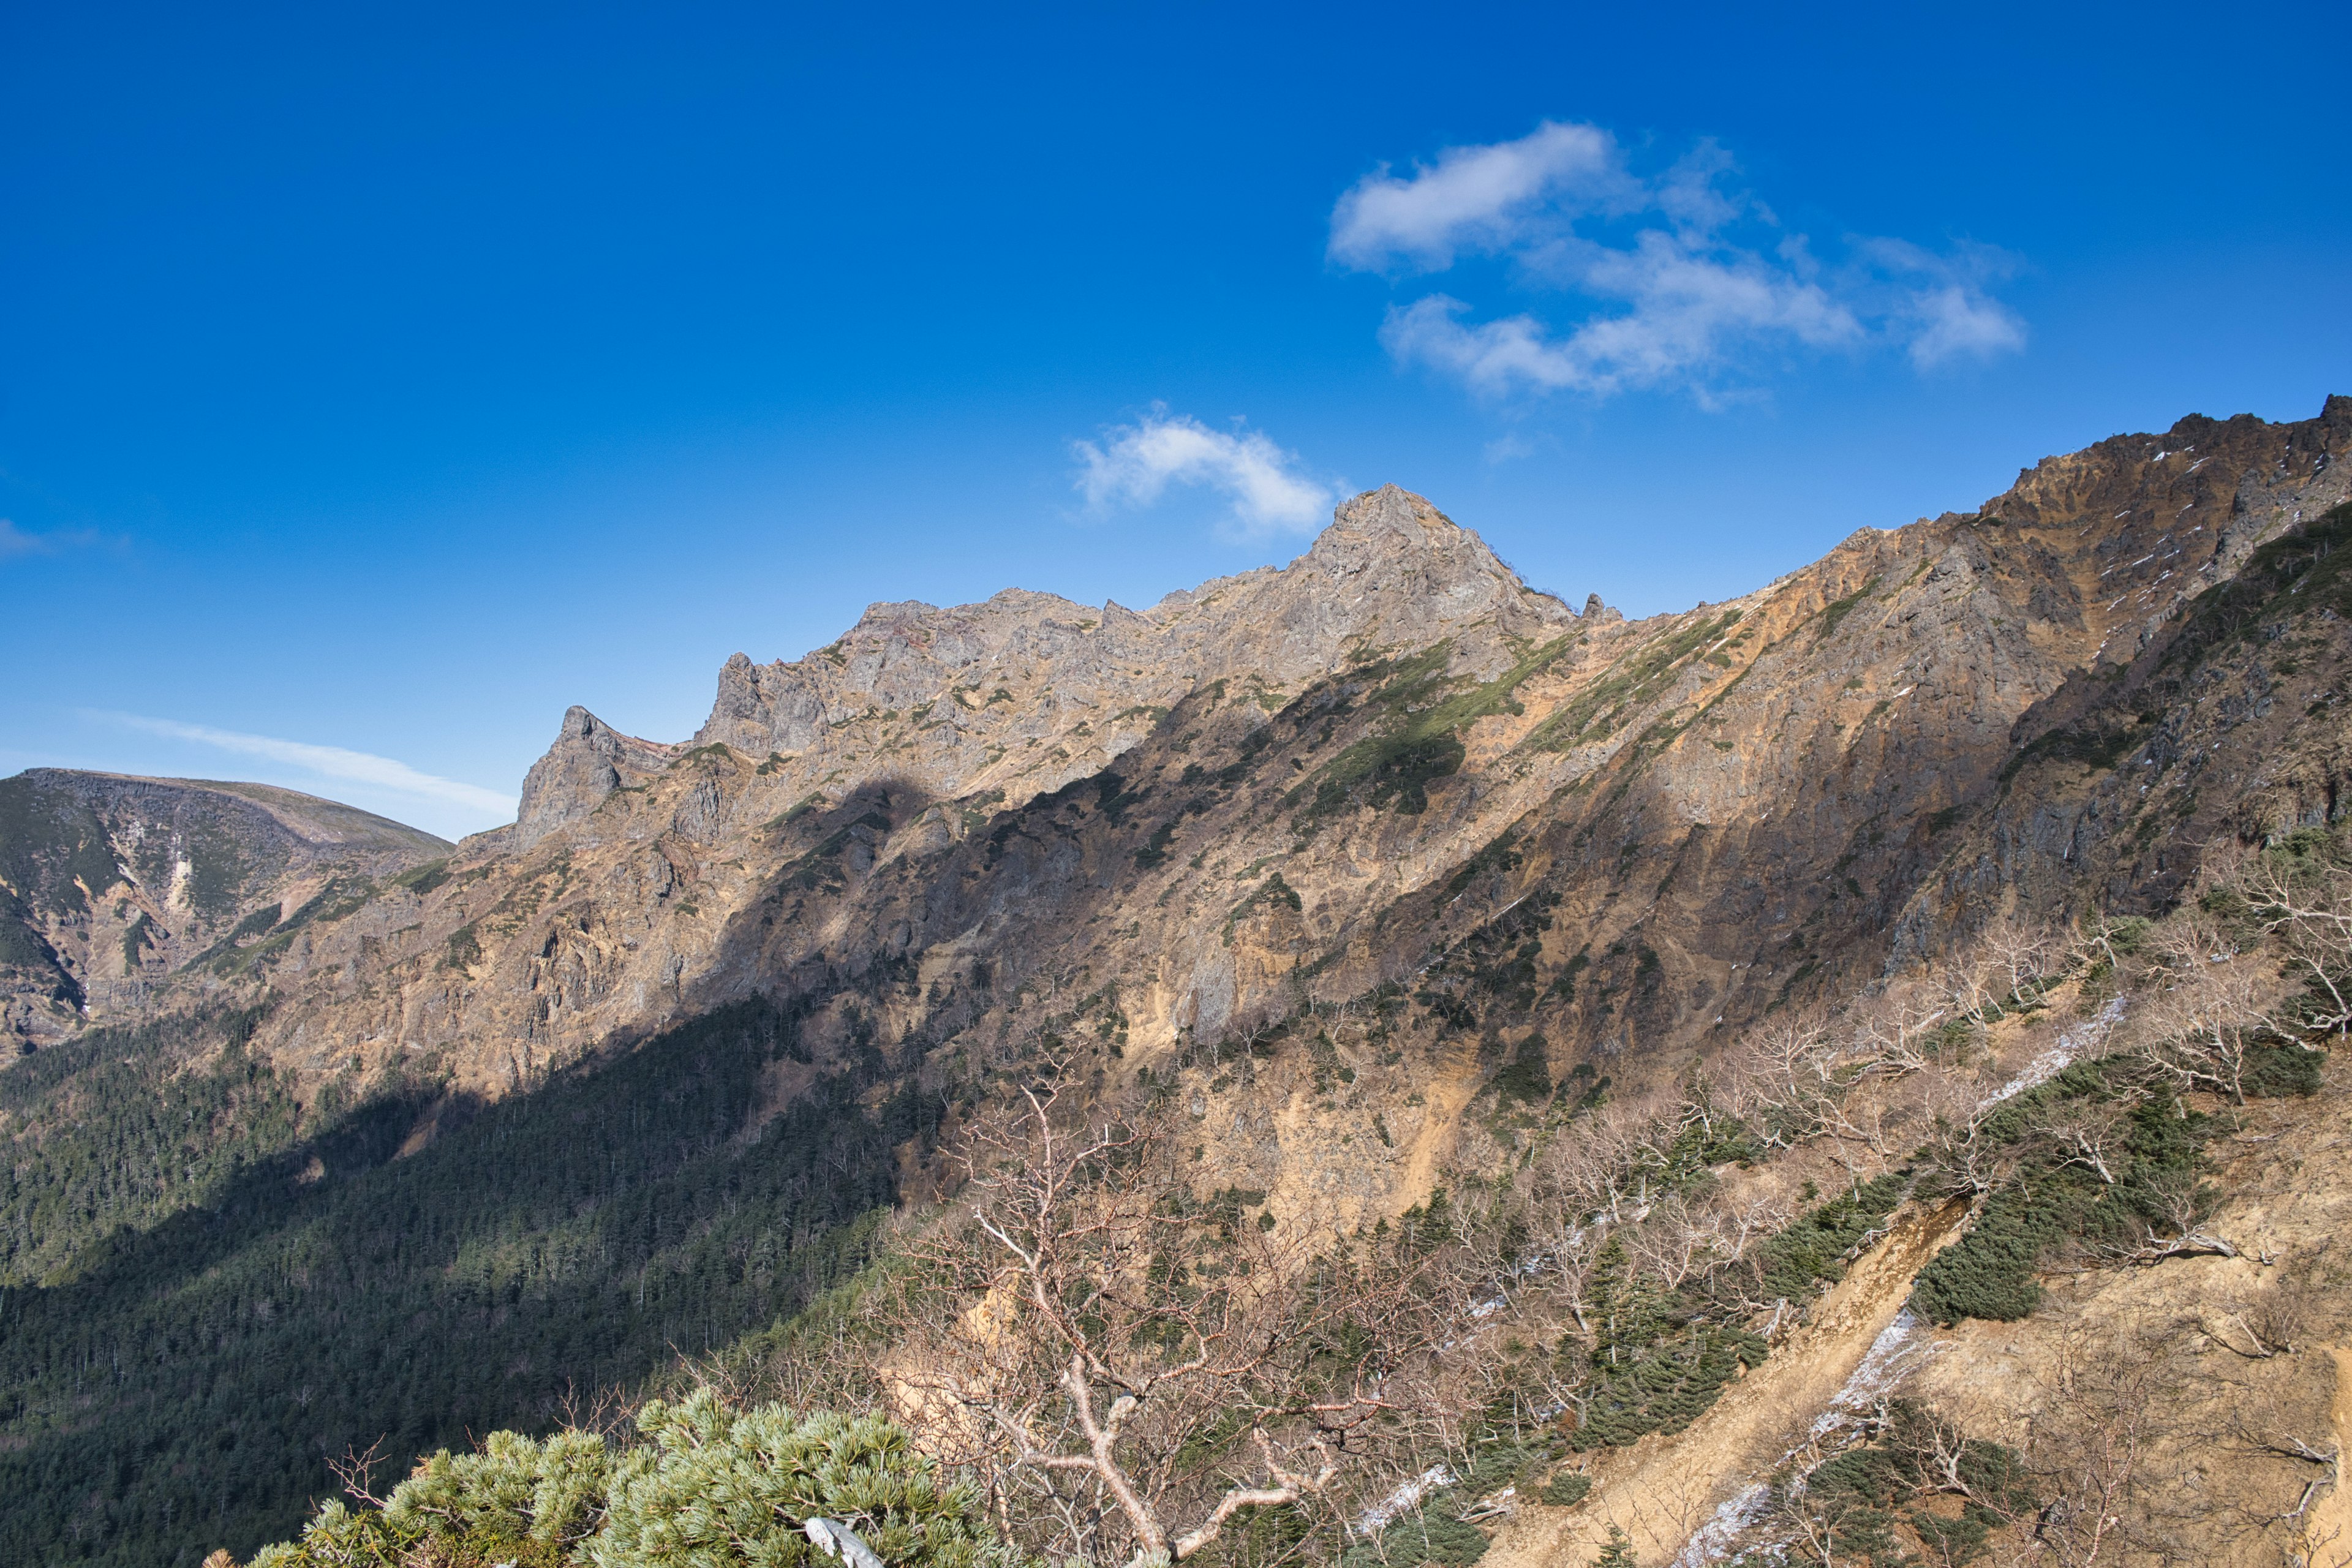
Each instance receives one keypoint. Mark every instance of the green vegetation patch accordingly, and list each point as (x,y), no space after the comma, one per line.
(52,845)
(1659,1359)
(579,1235)
(137,938)
(422,880)
(1416,728)
(115,1132)
(1493,966)
(1272,893)
(1834,613)
(1876,1503)
(2094,745)
(2304,572)
(464,948)
(709,1486)
(2058,1197)
(1609,703)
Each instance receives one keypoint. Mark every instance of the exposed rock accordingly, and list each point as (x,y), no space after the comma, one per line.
(111,883)
(589,761)
(1388,763)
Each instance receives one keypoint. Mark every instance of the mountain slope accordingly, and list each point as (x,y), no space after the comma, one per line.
(1730,804)
(1507,842)
(109,884)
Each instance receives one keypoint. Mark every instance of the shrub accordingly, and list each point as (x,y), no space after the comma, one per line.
(513,1495)
(720,1489)
(1618,1552)
(1423,1538)
(712,1488)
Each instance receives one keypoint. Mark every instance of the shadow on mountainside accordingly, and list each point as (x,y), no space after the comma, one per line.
(189,1382)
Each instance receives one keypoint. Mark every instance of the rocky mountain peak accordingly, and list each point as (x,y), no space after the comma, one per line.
(1026,691)
(589,760)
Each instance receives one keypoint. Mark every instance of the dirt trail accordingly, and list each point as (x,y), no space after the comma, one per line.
(2327,1538)
(1660,1491)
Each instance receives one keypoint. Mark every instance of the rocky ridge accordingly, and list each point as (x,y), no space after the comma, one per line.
(957,834)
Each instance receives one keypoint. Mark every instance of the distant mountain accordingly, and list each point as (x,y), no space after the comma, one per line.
(112,886)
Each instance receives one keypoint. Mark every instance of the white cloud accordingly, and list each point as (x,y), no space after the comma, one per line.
(1473,197)
(1689,311)
(1674,281)
(1956,321)
(15,541)
(1135,464)
(327,763)
(1948,314)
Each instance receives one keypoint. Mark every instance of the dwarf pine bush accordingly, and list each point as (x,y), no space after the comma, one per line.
(712,1487)
(513,1495)
(721,1489)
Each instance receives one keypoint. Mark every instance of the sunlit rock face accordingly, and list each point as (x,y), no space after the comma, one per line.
(1388,773)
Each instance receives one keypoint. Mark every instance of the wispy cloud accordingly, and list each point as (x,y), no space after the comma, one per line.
(1476,196)
(1946,302)
(15,541)
(1675,279)
(1133,465)
(326,762)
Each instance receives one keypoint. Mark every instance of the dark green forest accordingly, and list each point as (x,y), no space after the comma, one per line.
(208,1292)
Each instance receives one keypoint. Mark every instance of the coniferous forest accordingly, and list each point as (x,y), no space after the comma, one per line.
(208,1293)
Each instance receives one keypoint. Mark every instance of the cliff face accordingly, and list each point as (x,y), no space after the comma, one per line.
(109,884)
(958,837)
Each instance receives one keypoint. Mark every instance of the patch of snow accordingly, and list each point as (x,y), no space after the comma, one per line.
(1739,1513)
(1891,1357)
(2062,1056)
(1405,1497)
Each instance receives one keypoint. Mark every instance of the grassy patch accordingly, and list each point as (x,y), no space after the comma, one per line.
(1834,613)
(1605,706)
(1414,740)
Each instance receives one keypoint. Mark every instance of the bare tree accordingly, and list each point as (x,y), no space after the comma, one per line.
(1150,1360)
(2308,910)
(2025,954)
(2197,1030)
(1894,1031)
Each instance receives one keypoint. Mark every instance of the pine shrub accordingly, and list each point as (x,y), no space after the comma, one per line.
(721,1489)
(712,1487)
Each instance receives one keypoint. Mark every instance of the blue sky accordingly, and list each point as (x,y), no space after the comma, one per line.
(374,384)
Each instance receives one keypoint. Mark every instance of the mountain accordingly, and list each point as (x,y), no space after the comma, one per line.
(110,885)
(429,1134)
(1325,776)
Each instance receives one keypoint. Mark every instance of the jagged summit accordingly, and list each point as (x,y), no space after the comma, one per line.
(589,760)
(1026,691)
